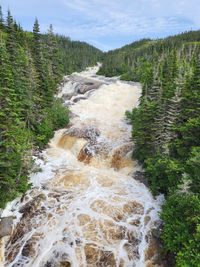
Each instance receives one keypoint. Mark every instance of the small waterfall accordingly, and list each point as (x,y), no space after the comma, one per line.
(85,208)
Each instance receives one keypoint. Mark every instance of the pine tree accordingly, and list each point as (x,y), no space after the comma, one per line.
(1,19)
(11,41)
(191,95)
(41,67)
(37,50)
(155,91)
(7,92)
(54,55)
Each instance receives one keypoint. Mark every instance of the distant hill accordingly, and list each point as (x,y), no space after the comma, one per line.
(125,61)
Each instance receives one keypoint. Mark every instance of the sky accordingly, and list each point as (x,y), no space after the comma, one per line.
(108,24)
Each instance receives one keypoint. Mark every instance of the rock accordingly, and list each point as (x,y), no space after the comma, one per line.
(6,226)
(75,100)
(32,204)
(135,222)
(85,155)
(147,219)
(65,264)
(29,249)
(156,232)
(139,176)
(76,84)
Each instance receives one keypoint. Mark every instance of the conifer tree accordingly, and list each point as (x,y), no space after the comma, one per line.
(1,19)
(37,53)
(191,100)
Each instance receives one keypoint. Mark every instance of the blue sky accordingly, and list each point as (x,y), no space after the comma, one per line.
(108,24)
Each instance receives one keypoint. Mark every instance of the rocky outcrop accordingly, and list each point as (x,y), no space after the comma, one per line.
(6,225)
(140,176)
(74,85)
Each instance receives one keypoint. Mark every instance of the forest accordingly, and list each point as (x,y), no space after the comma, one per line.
(165,126)
(31,67)
(166,132)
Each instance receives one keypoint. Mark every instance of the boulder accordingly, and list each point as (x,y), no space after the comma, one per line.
(6,225)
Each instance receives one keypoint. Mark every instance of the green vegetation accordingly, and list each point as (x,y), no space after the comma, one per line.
(31,66)
(166,131)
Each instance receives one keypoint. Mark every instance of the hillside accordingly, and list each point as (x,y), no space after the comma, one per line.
(165,128)
(31,67)
(166,131)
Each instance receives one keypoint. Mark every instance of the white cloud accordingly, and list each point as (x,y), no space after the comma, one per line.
(130,17)
(102,20)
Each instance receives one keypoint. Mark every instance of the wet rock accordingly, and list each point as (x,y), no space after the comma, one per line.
(147,220)
(140,176)
(89,132)
(76,84)
(65,264)
(154,255)
(58,260)
(135,222)
(156,232)
(85,155)
(49,264)
(33,204)
(75,100)
(28,250)
(133,239)
(153,251)
(6,225)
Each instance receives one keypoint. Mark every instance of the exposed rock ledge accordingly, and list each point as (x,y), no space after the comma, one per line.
(6,226)
(75,84)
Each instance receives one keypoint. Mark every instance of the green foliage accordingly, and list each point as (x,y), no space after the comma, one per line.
(56,117)
(181,233)
(59,115)
(142,119)
(16,141)
(166,131)
(164,174)
(31,66)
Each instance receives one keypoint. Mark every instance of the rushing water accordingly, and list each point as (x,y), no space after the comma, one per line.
(85,207)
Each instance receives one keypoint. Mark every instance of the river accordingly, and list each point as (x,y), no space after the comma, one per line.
(85,207)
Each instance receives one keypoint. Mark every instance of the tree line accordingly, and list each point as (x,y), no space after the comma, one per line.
(166,131)
(31,66)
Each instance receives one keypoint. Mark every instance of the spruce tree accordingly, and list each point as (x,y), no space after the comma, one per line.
(1,19)
(11,42)
(191,100)
(37,55)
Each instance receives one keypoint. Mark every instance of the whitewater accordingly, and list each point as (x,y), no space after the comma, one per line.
(86,208)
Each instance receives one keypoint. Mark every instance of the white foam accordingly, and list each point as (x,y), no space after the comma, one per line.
(72,188)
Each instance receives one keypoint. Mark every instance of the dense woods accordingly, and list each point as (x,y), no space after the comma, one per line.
(166,131)
(31,66)
(165,126)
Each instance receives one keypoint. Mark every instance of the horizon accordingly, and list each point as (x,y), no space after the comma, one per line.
(107,26)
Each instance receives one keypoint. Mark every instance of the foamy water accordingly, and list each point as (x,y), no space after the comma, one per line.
(85,208)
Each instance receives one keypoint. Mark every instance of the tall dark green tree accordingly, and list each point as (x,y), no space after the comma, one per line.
(30,70)
(166,131)
(1,19)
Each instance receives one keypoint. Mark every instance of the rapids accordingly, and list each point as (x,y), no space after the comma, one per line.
(85,207)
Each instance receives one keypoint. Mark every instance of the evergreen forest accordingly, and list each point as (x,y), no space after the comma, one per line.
(31,67)
(166,132)
(165,125)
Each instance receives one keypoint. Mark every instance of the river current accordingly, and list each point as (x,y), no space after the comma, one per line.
(85,207)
